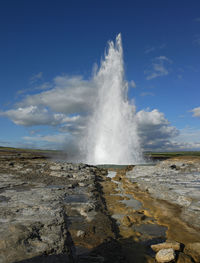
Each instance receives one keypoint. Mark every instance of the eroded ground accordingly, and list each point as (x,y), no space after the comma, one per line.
(54,211)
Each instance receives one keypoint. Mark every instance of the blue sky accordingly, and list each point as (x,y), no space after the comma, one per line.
(48,44)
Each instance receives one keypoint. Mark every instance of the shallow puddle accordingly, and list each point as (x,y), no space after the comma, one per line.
(54,187)
(146,228)
(118,217)
(152,230)
(76,199)
(111,174)
(132,203)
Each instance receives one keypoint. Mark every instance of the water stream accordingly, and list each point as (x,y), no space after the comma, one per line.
(148,228)
(112,136)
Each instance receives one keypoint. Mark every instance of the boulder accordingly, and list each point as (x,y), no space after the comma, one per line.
(165,255)
(80,233)
(168,244)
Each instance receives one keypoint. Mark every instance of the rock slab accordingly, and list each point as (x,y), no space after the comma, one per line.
(175,181)
(165,255)
(169,244)
(47,207)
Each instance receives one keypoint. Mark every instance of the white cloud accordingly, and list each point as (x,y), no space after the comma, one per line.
(158,68)
(152,49)
(64,141)
(56,138)
(69,95)
(196,112)
(132,84)
(67,107)
(43,86)
(69,100)
(154,129)
(157,134)
(149,50)
(33,115)
(32,132)
(189,134)
(180,146)
(188,139)
(36,77)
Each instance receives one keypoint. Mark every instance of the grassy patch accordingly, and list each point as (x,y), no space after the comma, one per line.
(172,154)
(2,148)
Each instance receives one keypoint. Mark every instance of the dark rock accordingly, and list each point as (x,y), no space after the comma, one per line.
(173,166)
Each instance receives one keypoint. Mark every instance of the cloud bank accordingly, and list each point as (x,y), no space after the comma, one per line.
(196,112)
(67,105)
(155,130)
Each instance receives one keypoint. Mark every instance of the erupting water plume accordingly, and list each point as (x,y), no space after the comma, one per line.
(112,133)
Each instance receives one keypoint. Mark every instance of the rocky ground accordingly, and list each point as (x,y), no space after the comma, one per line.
(177,181)
(53,211)
(50,211)
(170,191)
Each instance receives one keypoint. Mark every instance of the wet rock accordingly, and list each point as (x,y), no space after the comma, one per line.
(32,221)
(80,233)
(126,221)
(183,258)
(165,255)
(173,166)
(137,217)
(184,201)
(91,259)
(82,184)
(174,181)
(56,167)
(149,259)
(165,245)
(193,250)
(46,207)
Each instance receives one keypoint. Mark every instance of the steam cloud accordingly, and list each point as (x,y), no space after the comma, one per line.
(66,105)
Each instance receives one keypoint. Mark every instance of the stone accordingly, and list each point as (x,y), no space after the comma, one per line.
(173,166)
(126,221)
(137,217)
(183,258)
(193,250)
(149,259)
(165,245)
(43,209)
(80,233)
(184,201)
(165,255)
(172,181)
(81,184)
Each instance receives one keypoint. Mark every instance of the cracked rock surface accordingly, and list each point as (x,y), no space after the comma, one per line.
(48,209)
(53,211)
(176,181)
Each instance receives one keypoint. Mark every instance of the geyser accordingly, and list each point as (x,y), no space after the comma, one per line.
(112,131)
